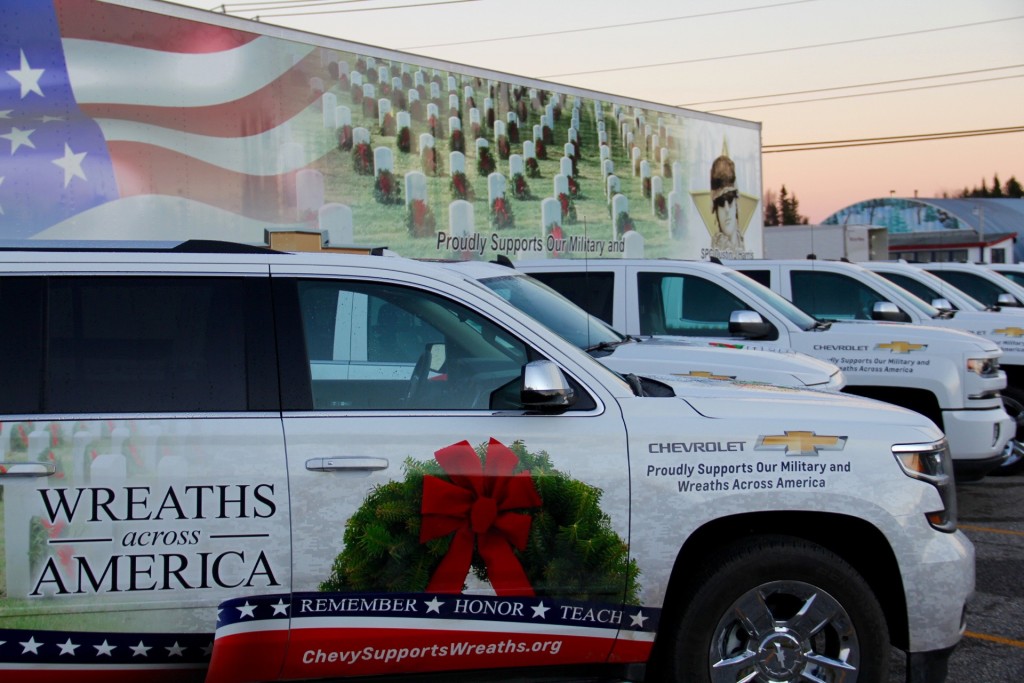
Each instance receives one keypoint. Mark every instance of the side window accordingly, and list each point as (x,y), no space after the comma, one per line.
(137,344)
(919,289)
(594,292)
(762,276)
(981,289)
(379,347)
(684,305)
(832,296)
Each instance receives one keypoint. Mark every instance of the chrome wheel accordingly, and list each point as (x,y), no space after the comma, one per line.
(785,631)
(1013,403)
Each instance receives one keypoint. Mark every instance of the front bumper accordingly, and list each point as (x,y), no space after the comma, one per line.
(978,434)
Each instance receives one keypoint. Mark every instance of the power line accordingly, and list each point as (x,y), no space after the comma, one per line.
(889,140)
(859,85)
(281,4)
(866,94)
(365,9)
(782,49)
(605,27)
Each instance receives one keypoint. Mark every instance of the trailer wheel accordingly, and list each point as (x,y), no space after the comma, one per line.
(778,609)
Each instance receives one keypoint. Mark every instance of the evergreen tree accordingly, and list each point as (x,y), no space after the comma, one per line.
(789,208)
(771,208)
(997,188)
(1014,189)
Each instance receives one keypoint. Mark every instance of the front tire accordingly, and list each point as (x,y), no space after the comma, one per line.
(778,609)
(1013,403)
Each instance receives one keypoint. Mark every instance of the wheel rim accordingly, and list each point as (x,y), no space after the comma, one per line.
(1014,450)
(785,631)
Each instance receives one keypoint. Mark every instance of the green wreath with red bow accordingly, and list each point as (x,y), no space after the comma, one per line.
(501,512)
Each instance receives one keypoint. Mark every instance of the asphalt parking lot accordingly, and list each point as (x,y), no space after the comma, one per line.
(992,650)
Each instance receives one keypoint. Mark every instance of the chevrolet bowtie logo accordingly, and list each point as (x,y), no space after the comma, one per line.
(800,443)
(901,347)
(705,375)
(1010,331)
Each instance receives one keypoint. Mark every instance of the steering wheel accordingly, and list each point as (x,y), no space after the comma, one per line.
(419,378)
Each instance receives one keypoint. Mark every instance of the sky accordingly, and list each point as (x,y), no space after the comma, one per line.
(808,71)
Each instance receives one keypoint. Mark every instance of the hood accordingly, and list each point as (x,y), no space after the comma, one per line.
(677,358)
(728,400)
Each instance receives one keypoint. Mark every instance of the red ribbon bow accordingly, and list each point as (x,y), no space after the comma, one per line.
(477,505)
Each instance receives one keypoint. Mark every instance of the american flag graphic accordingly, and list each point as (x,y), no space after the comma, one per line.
(94,144)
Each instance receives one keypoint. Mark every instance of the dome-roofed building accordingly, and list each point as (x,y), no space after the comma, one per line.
(967,229)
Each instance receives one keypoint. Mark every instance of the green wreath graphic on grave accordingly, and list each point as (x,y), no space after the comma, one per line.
(503,513)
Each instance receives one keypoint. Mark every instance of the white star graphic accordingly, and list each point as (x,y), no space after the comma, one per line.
(140,649)
(104,649)
(208,650)
(246,609)
(27,77)
(19,138)
(31,645)
(637,619)
(434,605)
(540,611)
(72,164)
(5,113)
(280,608)
(47,119)
(175,650)
(67,648)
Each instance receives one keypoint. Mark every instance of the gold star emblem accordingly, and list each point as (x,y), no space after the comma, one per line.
(704,374)
(901,347)
(800,443)
(1010,331)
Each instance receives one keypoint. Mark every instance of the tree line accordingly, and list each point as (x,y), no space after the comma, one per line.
(783,208)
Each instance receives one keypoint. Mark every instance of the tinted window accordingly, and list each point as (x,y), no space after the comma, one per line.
(833,296)
(684,305)
(981,289)
(763,277)
(594,292)
(376,347)
(913,286)
(21,345)
(129,344)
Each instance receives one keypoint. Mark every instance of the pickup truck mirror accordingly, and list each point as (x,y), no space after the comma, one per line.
(1007,299)
(545,389)
(748,324)
(889,312)
(942,304)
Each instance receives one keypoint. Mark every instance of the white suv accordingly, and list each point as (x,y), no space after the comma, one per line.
(253,466)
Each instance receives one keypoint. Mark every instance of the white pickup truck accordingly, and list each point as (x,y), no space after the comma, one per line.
(951,377)
(838,290)
(223,464)
(647,355)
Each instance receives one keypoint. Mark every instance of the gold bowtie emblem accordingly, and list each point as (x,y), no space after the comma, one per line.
(1010,331)
(800,443)
(704,374)
(901,347)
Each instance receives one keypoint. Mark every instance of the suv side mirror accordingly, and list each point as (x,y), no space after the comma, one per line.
(748,324)
(887,311)
(942,304)
(1007,299)
(545,389)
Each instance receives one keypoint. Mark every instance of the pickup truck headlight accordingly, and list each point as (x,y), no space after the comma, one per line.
(932,463)
(985,367)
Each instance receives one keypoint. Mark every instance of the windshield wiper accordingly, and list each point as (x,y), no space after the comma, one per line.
(822,325)
(605,346)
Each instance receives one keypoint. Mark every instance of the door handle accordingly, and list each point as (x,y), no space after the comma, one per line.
(355,462)
(27,469)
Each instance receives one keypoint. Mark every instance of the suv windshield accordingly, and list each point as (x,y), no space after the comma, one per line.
(777,302)
(547,306)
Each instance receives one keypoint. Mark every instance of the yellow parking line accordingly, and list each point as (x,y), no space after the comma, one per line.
(995,639)
(988,529)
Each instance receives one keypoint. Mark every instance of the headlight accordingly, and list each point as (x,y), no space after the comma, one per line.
(931,463)
(986,367)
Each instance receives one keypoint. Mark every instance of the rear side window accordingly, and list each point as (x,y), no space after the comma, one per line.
(138,344)
(593,292)
(684,305)
(919,289)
